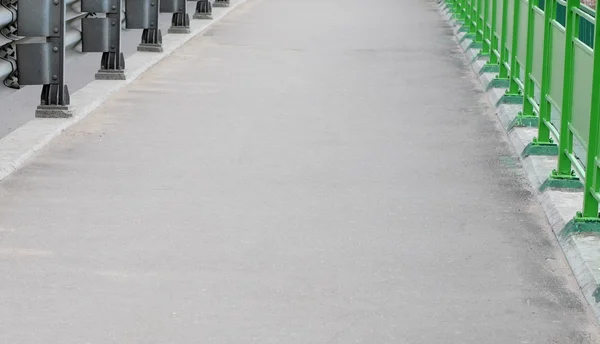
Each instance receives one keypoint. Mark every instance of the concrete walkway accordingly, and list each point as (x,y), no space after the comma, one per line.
(306,172)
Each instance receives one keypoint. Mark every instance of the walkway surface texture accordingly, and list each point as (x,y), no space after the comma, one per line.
(306,172)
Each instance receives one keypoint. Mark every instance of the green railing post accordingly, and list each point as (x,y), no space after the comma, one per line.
(479,23)
(465,17)
(459,15)
(513,94)
(486,39)
(543,144)
(461,11)
(492,64)
(564,173)
(592,174)
(502,79)
(527,117)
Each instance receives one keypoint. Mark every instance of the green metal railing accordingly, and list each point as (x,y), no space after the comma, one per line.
(543,54)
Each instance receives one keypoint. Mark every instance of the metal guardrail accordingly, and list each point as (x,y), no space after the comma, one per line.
(35,34)
(9,37)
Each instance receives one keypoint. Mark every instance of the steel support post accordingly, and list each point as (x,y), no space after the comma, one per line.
(104,35)
(44,18)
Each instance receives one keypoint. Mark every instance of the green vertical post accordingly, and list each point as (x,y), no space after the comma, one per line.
(543,144)
(592,174)
(492,63)
(565,142)
(479,27)
(486,40)
(473,19)
(460,11)
(513,94)
(502,79)
(527,117)
(465,17)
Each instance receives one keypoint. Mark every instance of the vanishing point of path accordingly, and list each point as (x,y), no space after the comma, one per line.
(306,172)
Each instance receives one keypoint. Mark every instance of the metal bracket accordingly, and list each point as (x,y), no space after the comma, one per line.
(8,53)
(104,35)
(181,20)
(10,30)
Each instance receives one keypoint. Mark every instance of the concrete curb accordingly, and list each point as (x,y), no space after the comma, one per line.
(23,143)
(582,250)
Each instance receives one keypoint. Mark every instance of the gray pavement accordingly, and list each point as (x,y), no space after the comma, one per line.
(306,172)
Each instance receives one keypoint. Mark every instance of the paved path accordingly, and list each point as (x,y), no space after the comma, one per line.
(307,172)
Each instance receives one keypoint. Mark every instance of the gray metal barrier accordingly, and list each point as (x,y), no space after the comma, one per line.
(35,34)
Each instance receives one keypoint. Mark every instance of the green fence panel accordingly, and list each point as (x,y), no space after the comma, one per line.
(509,24)
(561,14)
(558,65)
(582,91)
(538,46)
(522,31)
(586,32)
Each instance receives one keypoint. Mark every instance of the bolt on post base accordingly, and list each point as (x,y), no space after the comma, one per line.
(581,224)
(221,3)
(498,83)
(489,68)
(482,55)
(540,149)
(523,121)
(562,182)
(509,98)
(151,41)
(474,45)
(466,36)
(180,23)
(203,10)
(465,28)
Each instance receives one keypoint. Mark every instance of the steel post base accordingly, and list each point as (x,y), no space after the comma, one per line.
(53,111)
(153,48)
(180,23)
(203,10)
(202,16)
(221,3)
(151,41)
(109,74)
(179,29)
(112,67)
